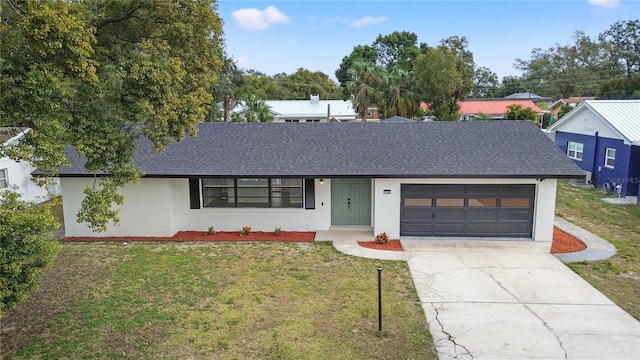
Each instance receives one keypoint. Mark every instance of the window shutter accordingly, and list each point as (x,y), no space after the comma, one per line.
(309,194)
(194,193)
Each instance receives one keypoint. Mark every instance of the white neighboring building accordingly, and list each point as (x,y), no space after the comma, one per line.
(312,110)
(18,173)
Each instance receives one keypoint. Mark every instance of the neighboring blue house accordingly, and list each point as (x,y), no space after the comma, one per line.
(603,138)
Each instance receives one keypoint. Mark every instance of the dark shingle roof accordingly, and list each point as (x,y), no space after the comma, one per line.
(431,149)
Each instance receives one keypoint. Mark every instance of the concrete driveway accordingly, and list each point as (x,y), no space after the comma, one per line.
(514,300)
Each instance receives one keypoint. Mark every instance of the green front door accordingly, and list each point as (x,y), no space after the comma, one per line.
(351,202)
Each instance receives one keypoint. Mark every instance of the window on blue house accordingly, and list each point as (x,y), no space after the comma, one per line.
(610,158)
(574,150)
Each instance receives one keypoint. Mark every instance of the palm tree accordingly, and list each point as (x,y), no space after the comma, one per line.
(398,98)
(255,110)
(362,86)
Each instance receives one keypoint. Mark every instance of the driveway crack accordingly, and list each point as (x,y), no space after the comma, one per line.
(464,351)
(532,312)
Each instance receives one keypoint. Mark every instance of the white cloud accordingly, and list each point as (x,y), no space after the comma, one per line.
(242,61)
(368,21)
(254,19)
(605,3)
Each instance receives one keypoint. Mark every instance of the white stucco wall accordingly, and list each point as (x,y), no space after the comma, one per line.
(148,209)
(160,207)
(19,175)
(387,206)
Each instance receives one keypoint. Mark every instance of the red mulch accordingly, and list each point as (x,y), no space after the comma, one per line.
(285,236)
(565,243)
(393,245)
(562,243)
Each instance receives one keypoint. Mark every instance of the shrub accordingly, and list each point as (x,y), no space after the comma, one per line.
(245,231)
(277,231)
(382,238)
(211,231)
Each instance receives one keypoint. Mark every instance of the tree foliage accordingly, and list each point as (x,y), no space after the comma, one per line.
(622,41)
(396,50)
(438,81)
(227,89)
(97,74)
(564,110)
(364,53)
(255,110)
(517,112)
(24,246)
(364,82)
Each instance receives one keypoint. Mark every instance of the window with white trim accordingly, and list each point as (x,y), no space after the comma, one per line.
(252,192)
(574,150)
(610,158)
(4,178)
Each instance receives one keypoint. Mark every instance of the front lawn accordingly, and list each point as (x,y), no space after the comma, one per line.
(217,300)
(618,277)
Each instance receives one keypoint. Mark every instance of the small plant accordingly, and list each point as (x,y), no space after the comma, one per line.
(382,238)
(277,231)
(245,231)
(211,230)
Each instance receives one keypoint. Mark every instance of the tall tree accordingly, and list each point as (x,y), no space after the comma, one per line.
(360,53)
(438,82)
(97,74)
(255,110)
(398,97)
(226,90)
(364,83)
(465,66)
(397,49)
(622,40)
(485,83)
(302,83)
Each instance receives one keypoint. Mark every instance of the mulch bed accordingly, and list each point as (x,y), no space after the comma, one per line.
(565,243)
(562,243)
(393,245)
(285,236)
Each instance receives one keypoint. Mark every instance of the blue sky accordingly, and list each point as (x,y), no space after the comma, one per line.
(282,36)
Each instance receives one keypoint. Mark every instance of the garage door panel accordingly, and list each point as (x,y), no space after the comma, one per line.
(416,229)
(514,229)
(417,190)
(524,215)
(417,214)
(449,189)
(481,229)
(484,190)
(510,190)
(448,228)
(482,214)
(457,214)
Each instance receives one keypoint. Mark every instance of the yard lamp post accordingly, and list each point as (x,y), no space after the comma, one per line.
(379,299)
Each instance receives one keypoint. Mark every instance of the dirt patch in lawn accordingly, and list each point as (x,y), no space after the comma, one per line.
(285,236)
(565,243)
(392,245)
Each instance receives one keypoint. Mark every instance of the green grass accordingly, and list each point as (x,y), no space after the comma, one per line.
(618,277)
(217,300)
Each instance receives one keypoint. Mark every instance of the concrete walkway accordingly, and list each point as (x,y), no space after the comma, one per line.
(488,299)
(597,248)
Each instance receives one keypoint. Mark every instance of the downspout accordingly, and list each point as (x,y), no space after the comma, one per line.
(595,160)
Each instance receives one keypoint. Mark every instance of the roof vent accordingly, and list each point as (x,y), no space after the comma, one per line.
(315,98)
